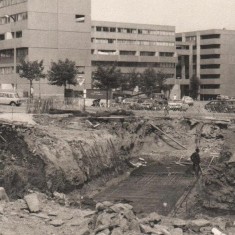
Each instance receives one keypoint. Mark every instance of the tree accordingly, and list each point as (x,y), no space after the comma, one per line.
(130,80)
(31,70)
(194,85)
(107,77)
(63,73)
(148,81)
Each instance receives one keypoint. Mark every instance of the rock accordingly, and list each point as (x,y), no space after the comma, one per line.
(2,206)
(161,230)
(134,226)
(32,202)
(57,223)
(52,213)
(197,224)
(176,231)
(120,207)
(104,232)
(216,231)
(117,231)
(99,206)
(200,223)
(154,217)
(179,223)
(3,195)
(83,231)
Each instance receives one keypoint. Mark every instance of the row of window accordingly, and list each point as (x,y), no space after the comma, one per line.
(10,35)
(135,64)
(210,76)
(194,38)
(210,86)
(210,66)
(9,53)
(15,17)
(5,3)
(131,42)
(132,31)
(132,53)
(6,70)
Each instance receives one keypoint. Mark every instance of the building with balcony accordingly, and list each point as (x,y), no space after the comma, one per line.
(210,55)
(43,30)
(134,46)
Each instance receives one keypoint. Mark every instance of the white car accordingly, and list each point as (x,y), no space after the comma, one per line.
(177,105)
(11,98)
(188,100)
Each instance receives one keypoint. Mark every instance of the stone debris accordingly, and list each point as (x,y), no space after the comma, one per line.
(32,202)
(57,223)
(216,231)
(3,195)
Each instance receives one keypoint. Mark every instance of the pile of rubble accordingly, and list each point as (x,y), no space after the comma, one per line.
(36,214)
(119,219)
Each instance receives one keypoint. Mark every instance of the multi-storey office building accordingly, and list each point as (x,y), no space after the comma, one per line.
(42,29)
(210,55)
(134,46)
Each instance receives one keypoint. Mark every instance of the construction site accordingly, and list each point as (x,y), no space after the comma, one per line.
(116,172)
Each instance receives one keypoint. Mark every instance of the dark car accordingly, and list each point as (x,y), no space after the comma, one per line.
(221,106)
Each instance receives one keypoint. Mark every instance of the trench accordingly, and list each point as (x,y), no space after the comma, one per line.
(154,188)
(157,187)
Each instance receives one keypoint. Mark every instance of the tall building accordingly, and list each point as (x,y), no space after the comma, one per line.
(46,30)
(210,55)
(134,46)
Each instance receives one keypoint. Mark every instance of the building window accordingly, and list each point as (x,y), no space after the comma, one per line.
(6,70)
(210,66)
(98,29)
(210,36)
(17,17)
(128,53)
(113,30)
(178,39)
(80,18)
(107,52)
(210,76)
(19,34)
(166,54)
(210,56)
(147,53)
(210,46)
(2,37)
(5,3)
(210,86)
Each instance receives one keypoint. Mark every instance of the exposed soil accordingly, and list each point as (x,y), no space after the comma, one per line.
(77,156)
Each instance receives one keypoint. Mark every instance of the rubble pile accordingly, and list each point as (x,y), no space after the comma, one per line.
(119,219)
(219,188)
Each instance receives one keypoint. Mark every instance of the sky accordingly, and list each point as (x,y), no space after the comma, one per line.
(186,15)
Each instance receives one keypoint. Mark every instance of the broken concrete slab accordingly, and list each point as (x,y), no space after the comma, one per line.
(32,202)
(57,223)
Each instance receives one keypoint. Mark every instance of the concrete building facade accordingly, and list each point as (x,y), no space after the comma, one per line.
(210,55)
(134,46)
(44,30)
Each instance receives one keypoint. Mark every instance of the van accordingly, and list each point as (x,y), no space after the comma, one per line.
(10,98)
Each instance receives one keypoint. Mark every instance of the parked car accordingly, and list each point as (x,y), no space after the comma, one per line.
(10,98)
(177,105)
(188,100)
(221,106)
(222,97)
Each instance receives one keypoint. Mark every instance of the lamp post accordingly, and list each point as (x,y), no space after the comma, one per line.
(14,37)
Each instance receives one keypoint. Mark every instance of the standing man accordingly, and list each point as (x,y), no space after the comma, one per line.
(195,158)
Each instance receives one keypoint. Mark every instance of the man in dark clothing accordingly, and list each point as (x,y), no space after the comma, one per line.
(195,158)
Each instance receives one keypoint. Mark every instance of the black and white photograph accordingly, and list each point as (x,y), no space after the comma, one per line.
(117,117)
